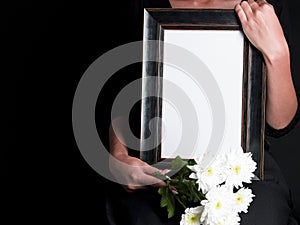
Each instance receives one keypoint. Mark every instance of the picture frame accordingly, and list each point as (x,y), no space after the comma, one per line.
(206,34)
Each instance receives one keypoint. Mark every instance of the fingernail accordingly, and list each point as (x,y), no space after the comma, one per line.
(165,171)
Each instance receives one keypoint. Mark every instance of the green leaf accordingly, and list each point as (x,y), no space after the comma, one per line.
(161,190)
(181,201)
(167,200)
(170,204)
(164,199)
(177,164)
(186,188)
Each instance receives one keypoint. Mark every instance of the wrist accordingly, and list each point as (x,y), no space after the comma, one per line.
(120,155)
(277,56)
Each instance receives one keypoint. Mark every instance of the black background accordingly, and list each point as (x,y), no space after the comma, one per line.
(48,46)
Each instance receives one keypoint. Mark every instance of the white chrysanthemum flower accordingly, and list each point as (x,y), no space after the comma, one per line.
(243,198)
(192,216)
(231,219)
(218,205)
(239,166)
(207,177)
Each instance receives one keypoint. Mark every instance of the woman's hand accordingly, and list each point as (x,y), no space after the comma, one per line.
(263,29)
(133,173)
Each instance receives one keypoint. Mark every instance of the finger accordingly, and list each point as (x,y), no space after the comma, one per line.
(174,190)
(150,169)
(241,14)
(153,181)
(158,185)
(261,2)
(247,9)
(132,188)
(144,182)
(253,5)
(165,171)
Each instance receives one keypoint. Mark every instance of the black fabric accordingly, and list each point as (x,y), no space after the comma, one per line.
(272,204)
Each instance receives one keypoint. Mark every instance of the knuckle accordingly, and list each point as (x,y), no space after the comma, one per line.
(244,3)
(267,7)
(258,13)
(253,4)
(238,10)
(134,177)
(142,163)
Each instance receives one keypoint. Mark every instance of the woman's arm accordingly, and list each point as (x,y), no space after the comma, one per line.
(264,31)
(131,172)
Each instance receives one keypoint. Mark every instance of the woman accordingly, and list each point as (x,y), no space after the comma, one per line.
(266,26)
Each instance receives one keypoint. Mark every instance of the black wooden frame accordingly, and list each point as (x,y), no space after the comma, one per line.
(156,20)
